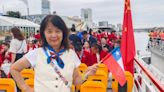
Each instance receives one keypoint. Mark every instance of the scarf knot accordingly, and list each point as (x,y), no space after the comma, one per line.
(55,55)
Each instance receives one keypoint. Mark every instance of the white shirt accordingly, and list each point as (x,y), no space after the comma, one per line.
(31,38)
(17,46)
(46,79)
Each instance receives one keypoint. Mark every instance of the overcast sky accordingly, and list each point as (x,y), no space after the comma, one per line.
(146,13)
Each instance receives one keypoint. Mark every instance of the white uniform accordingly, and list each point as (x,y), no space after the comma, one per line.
(46,79)
(17,46)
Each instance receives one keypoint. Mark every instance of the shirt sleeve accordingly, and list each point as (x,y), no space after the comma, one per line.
(31,56)
(76,59)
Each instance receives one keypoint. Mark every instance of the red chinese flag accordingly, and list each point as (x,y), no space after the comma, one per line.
(127,41)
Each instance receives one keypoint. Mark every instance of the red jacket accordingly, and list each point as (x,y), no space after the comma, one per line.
(1,59)
(112,37)
(103,54)
(88,58)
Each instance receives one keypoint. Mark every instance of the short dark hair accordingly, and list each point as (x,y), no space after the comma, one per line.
(90,31)
(17,33)
(6,44)
(57,22)
(96,46)
(84,32)
(73,28)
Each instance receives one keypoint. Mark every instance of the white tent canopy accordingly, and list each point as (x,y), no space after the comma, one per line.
(10,21)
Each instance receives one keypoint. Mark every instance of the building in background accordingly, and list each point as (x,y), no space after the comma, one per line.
(37,18)
(119,27)
(45,6)
(103,24)
(112,26)
(68,20)
(86,16)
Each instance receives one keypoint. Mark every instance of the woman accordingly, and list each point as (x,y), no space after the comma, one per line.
(18,45)
(4,54)
(86,46)
(54,63)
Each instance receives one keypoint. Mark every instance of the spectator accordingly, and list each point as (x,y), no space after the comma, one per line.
(89,38)
(55,65)
(18,45)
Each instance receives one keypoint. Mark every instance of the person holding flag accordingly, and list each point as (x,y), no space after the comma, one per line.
(55,65)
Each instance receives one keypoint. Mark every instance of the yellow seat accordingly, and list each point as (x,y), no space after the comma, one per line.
(29,82)
(27,73)
(93,86)
(99,76)
(7,85)
(103,67)
(82,67)
(73,88)
(130,81)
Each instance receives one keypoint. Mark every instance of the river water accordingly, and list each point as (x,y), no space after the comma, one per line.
(141,41)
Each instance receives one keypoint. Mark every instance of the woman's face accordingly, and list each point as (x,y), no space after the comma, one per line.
(94,50)
(53,35)
(4,47)
(103,41)
(86,45)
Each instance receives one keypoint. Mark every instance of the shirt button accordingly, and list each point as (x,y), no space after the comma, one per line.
(56,86)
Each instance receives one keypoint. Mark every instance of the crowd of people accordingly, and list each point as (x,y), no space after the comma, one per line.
(11,51)
(92,46)
(156,38)
(68,48)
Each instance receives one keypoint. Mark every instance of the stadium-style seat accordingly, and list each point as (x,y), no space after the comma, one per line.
(27,73)
(7,85)
(130,81)
(82,67)
(93,86)
(29,82)
(73,88)
(99,76)
(103,67)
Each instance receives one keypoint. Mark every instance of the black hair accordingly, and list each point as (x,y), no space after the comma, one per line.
(84,32)
(57,22)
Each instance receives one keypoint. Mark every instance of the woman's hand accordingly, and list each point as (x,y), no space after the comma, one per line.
(91,70)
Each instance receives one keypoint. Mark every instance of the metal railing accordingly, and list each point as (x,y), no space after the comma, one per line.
(147,82)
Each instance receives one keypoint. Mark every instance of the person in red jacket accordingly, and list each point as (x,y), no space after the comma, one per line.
(86,46)
(92,57)
(1,55)
(112,36)
(4,54)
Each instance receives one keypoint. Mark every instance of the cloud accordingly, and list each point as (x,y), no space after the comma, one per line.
(146,13)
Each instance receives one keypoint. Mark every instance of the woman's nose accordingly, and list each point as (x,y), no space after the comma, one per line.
(53,34)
